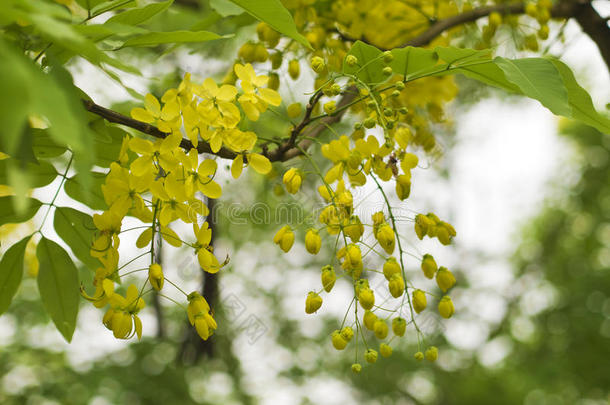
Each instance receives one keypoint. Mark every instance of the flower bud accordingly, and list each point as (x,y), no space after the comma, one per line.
(445,279)
(403,186)
(396,285)
(387,71)
(385,236)
(328,278)
(370,356)
(495,19)
(347,333)
(293,110)
(388,57)
(274,81)
(276,60)
(284,238)
(366,298)
(399,326)
(431,353)
(369,320)
(419,301)
(197,305)
(294,69)
(428,266)
(356,368)
(292,180)
(155,276)
(330,107)
(247,52)
(390,267)
(369,122)
(313,302)
(260,53)
(313,242)
(419,356)
(351,60)
(445,307)
(317,64)
(122,324)
(400,86)
(381,329)
(354,229)
(338,341)
(385,350)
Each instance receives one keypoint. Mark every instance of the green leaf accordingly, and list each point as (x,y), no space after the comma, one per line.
(37,174)
(77,230)
(91,197)
(580,101)
(370,63)
(58,286)
(43,145)
(225,8)
(90,4)
(174,37)
(275,15)
(107,142)
(137,16)
(11,272)
(538,79)
(106,6)
(9,215)
(410,60)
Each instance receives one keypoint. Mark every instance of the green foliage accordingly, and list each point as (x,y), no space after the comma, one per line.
(175,37)
(90,195)
(39,174)
(11,272)
(273,13)
(547,80)
(138,16)
(77,230)
(58,286)
(9,214)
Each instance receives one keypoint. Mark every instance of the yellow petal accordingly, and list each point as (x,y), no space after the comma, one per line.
(152,104)
(270,96)
(141,114)
(210,189)
(237,166)
(170,236)
(259,163)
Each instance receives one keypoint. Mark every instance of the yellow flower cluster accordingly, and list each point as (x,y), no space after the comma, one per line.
(158,181)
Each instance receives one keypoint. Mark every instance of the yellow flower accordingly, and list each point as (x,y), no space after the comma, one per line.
(198,312)
(313,241)
(152,155)
(419,301)
(109,225)
(199,177)
(292,180)
(155,276)
(122,189)
(167,119)
(445,307)
(256,97)
(122,318)
(313,302)
(445,279)
(284,238)
(206,258)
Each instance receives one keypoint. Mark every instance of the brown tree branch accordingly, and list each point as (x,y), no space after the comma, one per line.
(145,128)
(564,9)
